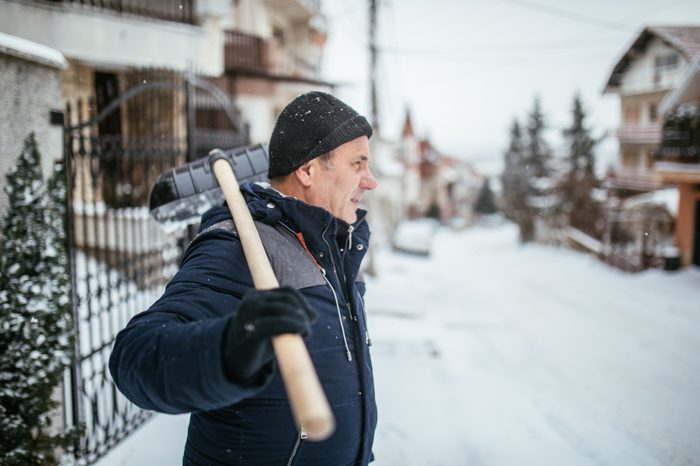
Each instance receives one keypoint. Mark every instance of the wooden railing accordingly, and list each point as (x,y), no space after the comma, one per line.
(244,52)
(249,53)
(635,133)
(646,180)
(180,11)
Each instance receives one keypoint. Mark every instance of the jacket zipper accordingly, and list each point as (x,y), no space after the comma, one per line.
(368,340)
(302,436)
(340,317)
(335,295)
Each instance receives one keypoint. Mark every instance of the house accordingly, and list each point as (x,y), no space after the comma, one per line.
(678,160)
(646,73)
(655,75)
(272,53)
(409,156)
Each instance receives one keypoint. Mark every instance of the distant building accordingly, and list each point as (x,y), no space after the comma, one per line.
(434,184)
(678,161)
(648,71)
(409,157)
(659,72)
(272,53)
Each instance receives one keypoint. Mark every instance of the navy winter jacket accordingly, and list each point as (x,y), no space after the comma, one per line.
(169,358)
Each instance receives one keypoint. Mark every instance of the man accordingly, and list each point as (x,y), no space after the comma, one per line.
(204,347)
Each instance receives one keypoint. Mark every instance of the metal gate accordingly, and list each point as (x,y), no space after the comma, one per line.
(116,144)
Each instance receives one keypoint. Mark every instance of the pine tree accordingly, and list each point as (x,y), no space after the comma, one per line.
(511,170)
(34,316)
(516,186)
(537,159)
(579,181)
(537,152)
(485,203)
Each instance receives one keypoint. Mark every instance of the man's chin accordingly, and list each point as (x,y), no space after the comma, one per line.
(350,217)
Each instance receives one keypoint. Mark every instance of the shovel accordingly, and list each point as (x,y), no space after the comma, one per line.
(179,196)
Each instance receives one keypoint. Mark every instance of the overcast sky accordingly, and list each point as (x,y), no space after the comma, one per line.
(466,69)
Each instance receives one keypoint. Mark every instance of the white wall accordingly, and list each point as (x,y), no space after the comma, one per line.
(108,39)
(28,92)
(639,77)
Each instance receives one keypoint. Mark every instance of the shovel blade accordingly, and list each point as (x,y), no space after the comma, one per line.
(182,194)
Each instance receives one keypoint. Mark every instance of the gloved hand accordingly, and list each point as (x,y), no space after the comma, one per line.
(262,314)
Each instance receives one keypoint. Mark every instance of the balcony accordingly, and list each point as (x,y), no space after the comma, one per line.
(180,11)
(678,159)
(252,55)
(639,134)
(296,10)
(633,180)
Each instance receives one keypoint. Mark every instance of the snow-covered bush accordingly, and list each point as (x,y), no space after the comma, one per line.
(35,313)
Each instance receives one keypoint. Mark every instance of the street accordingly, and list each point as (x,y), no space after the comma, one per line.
(492,353)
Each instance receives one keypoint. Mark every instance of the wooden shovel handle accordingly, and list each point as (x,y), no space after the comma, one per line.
(309,404)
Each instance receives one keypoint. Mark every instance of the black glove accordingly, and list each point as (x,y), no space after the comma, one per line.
(262,314)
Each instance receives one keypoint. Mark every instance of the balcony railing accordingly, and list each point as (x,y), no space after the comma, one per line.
(244,52)
(296,9)
(639,134)
(633,180)
(252,54)
(680,146)
(180,11)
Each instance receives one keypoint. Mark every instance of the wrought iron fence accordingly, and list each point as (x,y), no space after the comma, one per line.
(182,11)
(120,259)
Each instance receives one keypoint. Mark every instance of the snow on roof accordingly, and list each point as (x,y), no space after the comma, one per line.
(28,50)
(666,197)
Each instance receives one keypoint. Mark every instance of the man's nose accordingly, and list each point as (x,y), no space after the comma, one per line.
(369,182)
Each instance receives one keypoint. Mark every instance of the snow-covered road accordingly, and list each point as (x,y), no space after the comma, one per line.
(490,353)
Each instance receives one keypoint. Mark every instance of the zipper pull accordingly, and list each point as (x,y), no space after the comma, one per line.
(303,435)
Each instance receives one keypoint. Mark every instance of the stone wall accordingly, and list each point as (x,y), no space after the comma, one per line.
(28,93)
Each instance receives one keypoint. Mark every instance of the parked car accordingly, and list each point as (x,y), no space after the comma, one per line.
(415,236)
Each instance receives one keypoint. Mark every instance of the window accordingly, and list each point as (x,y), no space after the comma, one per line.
(631,114)
(664,64)
(653,113)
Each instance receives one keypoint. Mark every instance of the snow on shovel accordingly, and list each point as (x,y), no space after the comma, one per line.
(182,194)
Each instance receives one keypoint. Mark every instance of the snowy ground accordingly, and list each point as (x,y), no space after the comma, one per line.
(489,353)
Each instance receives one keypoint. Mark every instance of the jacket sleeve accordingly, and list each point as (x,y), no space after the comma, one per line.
(168,358)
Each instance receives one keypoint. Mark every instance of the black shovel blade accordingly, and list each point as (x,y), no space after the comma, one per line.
(182,194)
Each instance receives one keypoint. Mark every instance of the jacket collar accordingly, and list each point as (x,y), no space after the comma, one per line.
(270,207)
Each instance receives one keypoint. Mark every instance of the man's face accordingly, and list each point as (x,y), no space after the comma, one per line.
(339,184)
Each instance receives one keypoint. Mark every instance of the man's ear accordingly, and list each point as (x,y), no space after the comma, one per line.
(304,173)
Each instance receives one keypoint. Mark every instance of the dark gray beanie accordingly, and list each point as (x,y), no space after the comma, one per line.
(311,125)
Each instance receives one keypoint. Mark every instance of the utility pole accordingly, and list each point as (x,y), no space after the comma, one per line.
(373,64)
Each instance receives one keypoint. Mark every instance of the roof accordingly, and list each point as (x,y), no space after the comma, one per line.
(31,51)
(685,39)
(407,126)
(685,88)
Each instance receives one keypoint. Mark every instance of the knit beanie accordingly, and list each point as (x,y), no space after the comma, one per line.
(311,125)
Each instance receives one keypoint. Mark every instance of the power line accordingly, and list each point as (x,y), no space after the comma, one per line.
(663,7)
(503,60)
(497,48)
(570,15)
